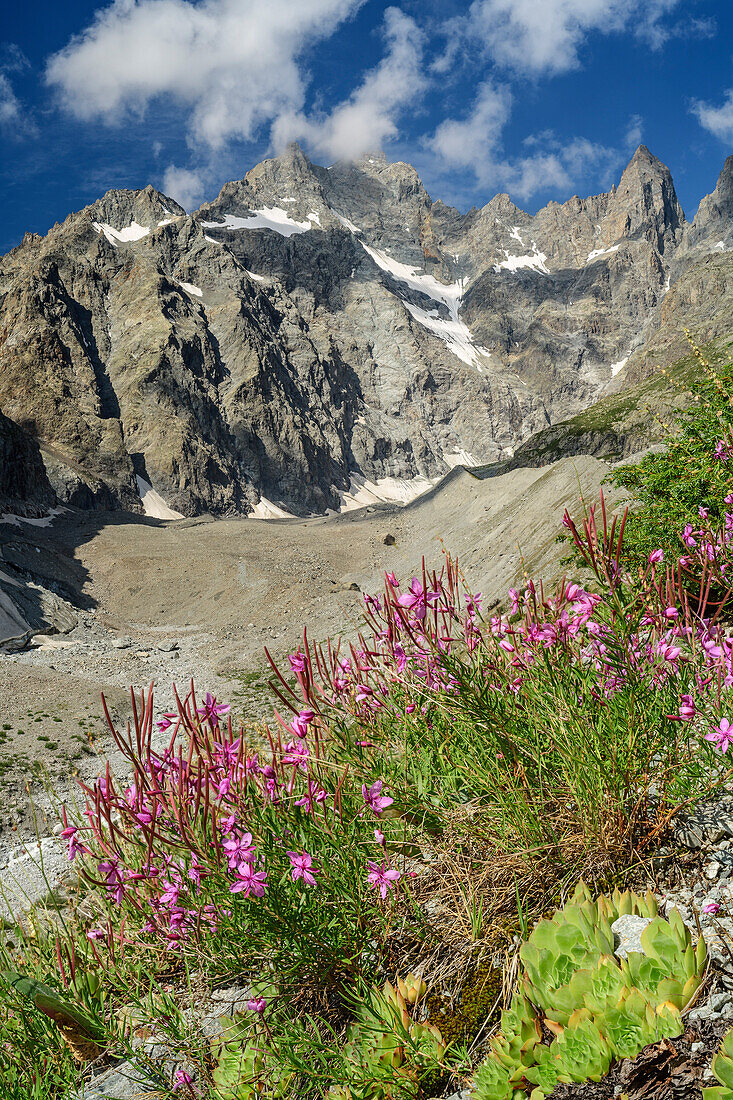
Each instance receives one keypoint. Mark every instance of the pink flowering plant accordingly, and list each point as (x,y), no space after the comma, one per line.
(606,701)
(254,857)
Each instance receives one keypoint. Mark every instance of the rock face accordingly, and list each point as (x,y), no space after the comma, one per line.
(316,337)
(24,486)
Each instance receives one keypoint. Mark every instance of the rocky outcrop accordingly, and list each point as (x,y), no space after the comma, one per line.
(24,486)
(315,333)
(713,224)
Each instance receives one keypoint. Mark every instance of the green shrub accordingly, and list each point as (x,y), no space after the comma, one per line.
(671,486)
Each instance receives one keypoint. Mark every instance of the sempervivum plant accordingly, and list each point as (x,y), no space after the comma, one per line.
(389,1052)
(595,1006)
(722,1068)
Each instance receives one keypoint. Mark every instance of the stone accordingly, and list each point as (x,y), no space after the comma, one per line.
(627,932)
(124,1082)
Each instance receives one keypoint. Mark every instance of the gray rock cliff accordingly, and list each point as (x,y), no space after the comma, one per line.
(318,333)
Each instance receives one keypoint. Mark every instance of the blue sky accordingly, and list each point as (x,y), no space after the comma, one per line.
(539,98)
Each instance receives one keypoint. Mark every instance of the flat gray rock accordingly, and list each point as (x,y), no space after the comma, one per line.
(627,932)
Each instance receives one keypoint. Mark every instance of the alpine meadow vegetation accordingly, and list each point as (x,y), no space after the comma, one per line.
(375,865)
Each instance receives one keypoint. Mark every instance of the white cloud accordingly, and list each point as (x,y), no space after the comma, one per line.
(238,69)
(233,64)
(14,119)
(10,115)
(185,186)
(545,36)
(718,120)
(368,118)
(469,142)
(632,138)
(475,143)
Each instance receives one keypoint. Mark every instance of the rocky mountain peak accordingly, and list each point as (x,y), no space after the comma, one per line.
(645,203)
(146,207)
(713,224)
(291,165)
(501,205)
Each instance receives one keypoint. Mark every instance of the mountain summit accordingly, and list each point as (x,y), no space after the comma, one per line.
(316,337)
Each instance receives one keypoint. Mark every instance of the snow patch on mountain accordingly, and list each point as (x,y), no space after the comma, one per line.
(153,503)
(346,223)
(459,458)
(534,261)
(269,217)
(601,252)
(616,367)
(449,294)
(191,289)
(42,521)
(451,330)
(133,232)
(385,490)
(265,509)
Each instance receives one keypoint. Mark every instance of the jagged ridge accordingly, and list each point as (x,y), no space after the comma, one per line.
(318,336)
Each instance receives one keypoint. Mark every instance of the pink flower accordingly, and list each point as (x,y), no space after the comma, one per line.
(257,1004)
(417,600)
(115,887)
(687,708)
(656,557)
(302,867)
(711,907)
(379,837)
(382,878)
(212,710)
(239,850)
(95,934)
(392,580)
(166,722)
(313,796)
(722,735)
(687,537)
(300,723)
(374,798)
(75,847)
(249,881)
(296,662)
(182,1080)
(473,603)
(296,754)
